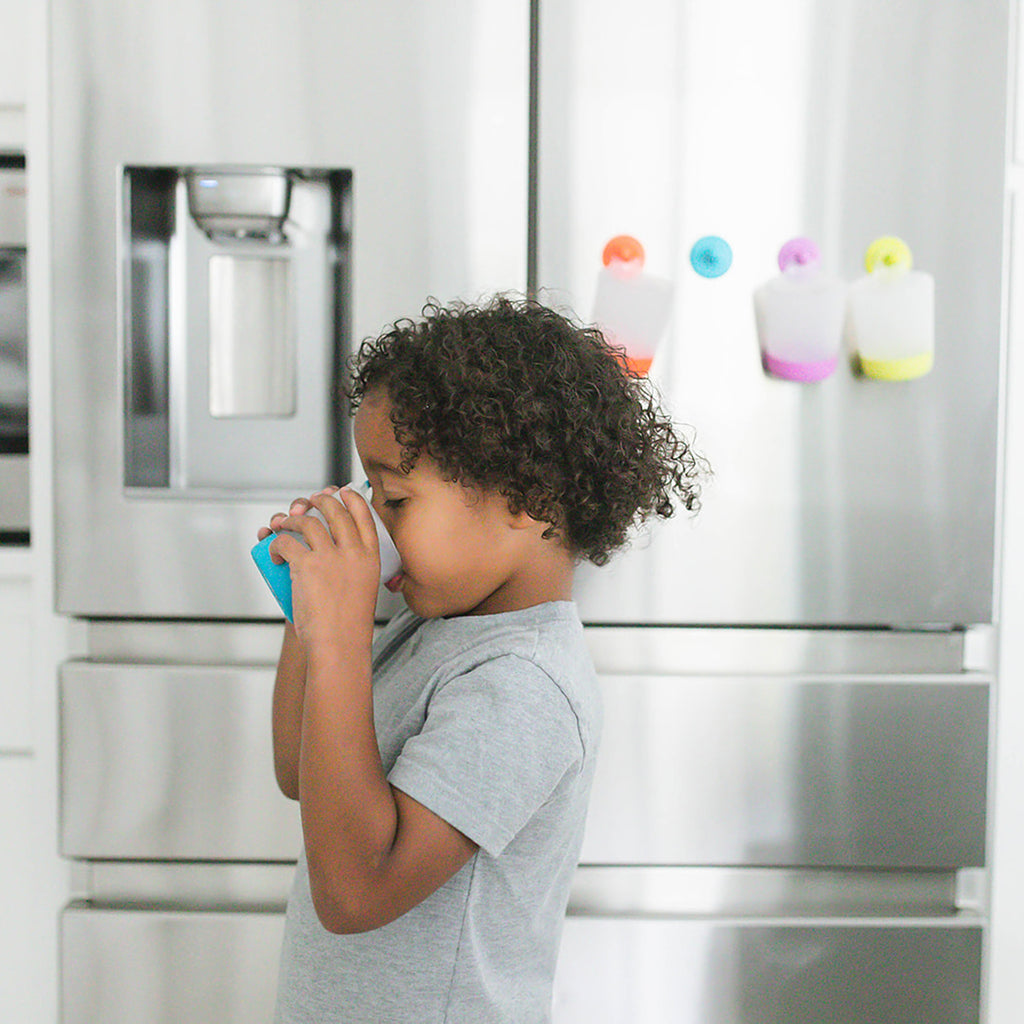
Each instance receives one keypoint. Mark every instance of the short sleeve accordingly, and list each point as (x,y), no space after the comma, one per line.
(495,743)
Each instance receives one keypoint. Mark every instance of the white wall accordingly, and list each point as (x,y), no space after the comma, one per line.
(14,35)
(15,16)
(1006,962)
(33,641)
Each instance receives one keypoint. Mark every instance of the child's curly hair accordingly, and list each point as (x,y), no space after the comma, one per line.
(515,397)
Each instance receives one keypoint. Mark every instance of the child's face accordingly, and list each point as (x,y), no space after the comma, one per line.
(463,552)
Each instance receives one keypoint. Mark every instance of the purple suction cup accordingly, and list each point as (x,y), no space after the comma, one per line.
(799,252)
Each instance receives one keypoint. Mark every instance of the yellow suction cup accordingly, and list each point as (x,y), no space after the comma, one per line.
(888,252)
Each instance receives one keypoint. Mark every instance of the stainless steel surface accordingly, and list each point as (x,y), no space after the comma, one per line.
(169,967)
(615,649)
(663,650)
(798,770)
(665,971)
(788,823)
(777,893)
(184,885)
(690,892)
(184,643)
(13,338)
(437,150)
(789,770)
(14,496)
(167,763)
(847,502)
(179,966)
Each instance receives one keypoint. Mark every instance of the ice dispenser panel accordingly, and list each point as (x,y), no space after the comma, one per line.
(252,337)
(235,308)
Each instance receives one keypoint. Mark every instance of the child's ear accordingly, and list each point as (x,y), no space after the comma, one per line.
(524,521)
(520,520)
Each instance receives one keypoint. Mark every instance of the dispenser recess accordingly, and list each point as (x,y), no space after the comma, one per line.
(235,311)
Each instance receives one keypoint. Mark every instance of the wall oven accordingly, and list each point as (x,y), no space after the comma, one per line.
(14,499)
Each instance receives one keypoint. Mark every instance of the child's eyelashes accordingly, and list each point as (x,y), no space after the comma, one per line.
(394,502)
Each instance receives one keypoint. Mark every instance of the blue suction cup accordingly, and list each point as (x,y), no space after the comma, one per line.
(711,256)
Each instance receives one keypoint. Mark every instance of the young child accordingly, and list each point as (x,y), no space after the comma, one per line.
(443,770)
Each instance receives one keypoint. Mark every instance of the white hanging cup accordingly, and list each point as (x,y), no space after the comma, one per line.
(631,306)
(799,316)
(892,314)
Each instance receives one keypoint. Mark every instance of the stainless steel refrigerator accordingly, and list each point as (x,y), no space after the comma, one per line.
(789,820)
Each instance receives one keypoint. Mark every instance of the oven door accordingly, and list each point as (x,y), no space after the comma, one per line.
(14,493)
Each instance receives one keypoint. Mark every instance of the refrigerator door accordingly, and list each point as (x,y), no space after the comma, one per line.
(219,967)
(761,771)
(783,829)
(194,967)
(849,500)
(783,748)
(423,106)
(720,766)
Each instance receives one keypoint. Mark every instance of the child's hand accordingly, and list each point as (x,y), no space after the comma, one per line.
(335,580)
(297,508)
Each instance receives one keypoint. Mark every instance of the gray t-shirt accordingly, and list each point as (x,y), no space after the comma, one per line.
(492,722)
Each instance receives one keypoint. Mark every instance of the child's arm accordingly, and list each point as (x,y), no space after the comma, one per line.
(289,685)
(373,852)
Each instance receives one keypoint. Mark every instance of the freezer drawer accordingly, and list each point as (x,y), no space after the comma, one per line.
(791,771)
(169,967)
(664,971)
(175,967)
(171,762)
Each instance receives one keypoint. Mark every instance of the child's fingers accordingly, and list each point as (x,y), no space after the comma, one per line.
(297,508)
(359,509)
(312,530)
(285,548)
(349,518)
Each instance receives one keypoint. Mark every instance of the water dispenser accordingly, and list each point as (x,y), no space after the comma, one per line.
(235,316)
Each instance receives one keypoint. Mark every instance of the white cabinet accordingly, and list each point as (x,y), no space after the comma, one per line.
(16,631)
(19,953)
(16,33)
(1006,938)
(14,37)
(18,822)
(1006,982)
